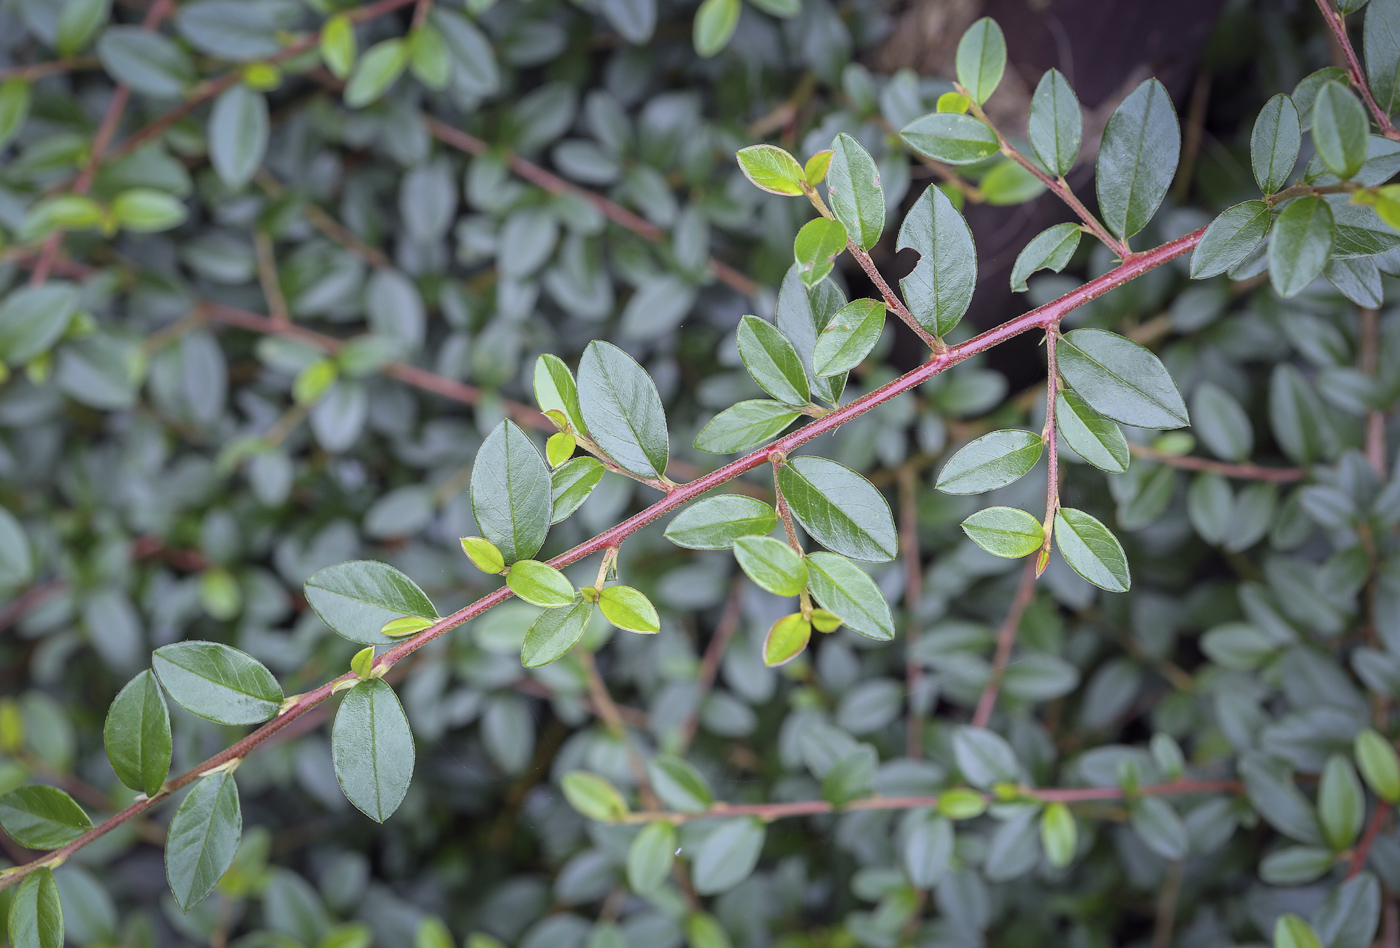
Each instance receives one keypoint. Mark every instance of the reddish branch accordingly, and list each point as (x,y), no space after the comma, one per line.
(1336,22)
(729,621)
(1373,829)
(1246,472)
(1006,640)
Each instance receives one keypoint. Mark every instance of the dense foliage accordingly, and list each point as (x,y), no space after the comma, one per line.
(366,376)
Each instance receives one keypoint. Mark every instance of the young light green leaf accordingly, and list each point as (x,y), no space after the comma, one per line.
(786,639)
(238,133)
(817,166)
(483,554)
(846,590)
(1274,143)
(372,748)
(817,245)
(203,838)
(35,912)
(571,483)
(1009,183)
(951,138)
(217,682)
(78,23)
(357,598)
(714,25)
(378,69)
(993,460)
(1051,249)
(629,609)
(849,337)
(981,59)
(773,362)
(556,631)
(728,855)
(1059,836)
(362,663)
(622,410)
(854,191)
(939,288)
(1056,124)
(960,803)
(1341,803)
(714,523)
(1340,130)
(771,169)
(1093,437)
(745,426)
(512,492)
(1301,244)
(650,856)
(137,735)
(1379,764)
(40,817)
(428,56)
(1290,931)
(148,211)
(842,510)
(555,390)
(540,584)
(338,45)
(1230,239)
(771,564)
(679,785)
(1137,159)
(1005,531)
(15,96)
(1091,550)
(1119,378)
(593,796)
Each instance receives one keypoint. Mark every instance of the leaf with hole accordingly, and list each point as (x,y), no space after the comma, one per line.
(1051,250)
(939,288)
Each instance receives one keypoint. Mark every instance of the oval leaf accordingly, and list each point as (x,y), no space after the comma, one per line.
(1091,549)
(841,510)
(217,682)
(203,838)
(622,410)
(137,735)
(993,460)
(1119,378)
(714,523)
(356,599)
(1137,159)
(845,589)
(372,747)
(512,492)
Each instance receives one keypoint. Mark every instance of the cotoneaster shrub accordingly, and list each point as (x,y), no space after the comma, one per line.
(407,324)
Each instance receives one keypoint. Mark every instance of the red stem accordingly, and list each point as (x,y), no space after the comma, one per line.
(1337,23)
(1373,829)
(1006,640)
(1246,472)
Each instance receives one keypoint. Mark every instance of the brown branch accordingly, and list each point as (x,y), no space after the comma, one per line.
(1244,472)
(1006,640)
(612,717)
(1373,829)
(54,67)
(326,224)
(267,277)
(728,624)
(1167,901)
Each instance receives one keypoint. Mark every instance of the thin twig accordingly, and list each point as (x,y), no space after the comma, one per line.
(608,711)
(268,279)
(1244,472)
(1006,641)
(1052,447)
(326,224)
(1373,829)
(53,67)
(1336,22)
(728,624)
(1167,901)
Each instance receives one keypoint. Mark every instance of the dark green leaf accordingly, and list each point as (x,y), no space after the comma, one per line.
(772,361)
(1273,146)
(993,460)
(939,288)
(802,315)
(1280,802)
(984,757)
(650,856)
(231,29)
(926,845)
(473,59)
(849,337)
(571,483)
(1230,239)
(238,134)
(35,913)
(137,735)
(217,682)
(512,492)
(34,318)
(146,61)
(16,562)
(1381,44)
(848,591)
(842,511)
(1005,531)
(554,633)
(1137,159)
(745,426)
(372,747)
(1221,423)
(1050,250)
(853,188)
(355,599)
(714,523)
(728,855)
(1056,124)
(1091,549)
(817,245)
(772,564)
(981,59)
(41,817)
(1296,865)
(1340,130)
(1093,437)
(1119,378)
(1159,827)
(1301,244)
(951,138)
(622,410)
(203,839)
(1351,913)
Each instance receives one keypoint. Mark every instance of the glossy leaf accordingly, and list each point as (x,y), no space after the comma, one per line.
(540,584)
(556,631)
(1274,143)
(137,735)
(1005,531)
(714,523)
(993,460)
(802,315)
(951,138)
(1137,158)
(629,609)
(1056,124)
(622,410)
(939,289)
(1051,249)
(570,485)
(512,492)
(40,817)
(35,913)
(1093,437)
(714,25)
(555,390)
(372,747)
(203,838)
(787,638)
(1120,379)
(841,510)
(745,426)
(772,361)
(1340,130)
(772,169)
(217,682)
(849,337)
(772,564)
(981,59)
(357,598)
(1091,550)
(1230,239)
(854,191)
(1301,243)
(848,591)
(817,245)
(1381,52)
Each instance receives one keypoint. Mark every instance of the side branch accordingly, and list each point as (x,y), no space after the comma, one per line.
(1336,22)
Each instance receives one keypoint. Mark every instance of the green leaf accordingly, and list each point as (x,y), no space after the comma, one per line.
(679,784)
(1340,130)
(1009,183)
(1379,764)
(540,584)
(773,362)
(34,318)
(841,510)
(362,662)
(571,483)
(1059,836)
(786,639)
(981,59)
(1005,531)
(36,915)
(432,933)
(772,564)
(939,288)
(428,56)
(993,460)
(1280,802)
(629,609)
(1290,931)
(355,599)
(238,134)
(1221,423)
(1093,437)
(853,189)
(1120,379)
(512,492)
(984,757)
(1230,239)
(1341,803)
(714,523)
(338,47)
(1051,249)
(148,211)
(377,70)
(217,682)
(1159,827)
(848,591)
(78,23)
(745,426)
(650,856)
(818,244)
(802,315)
(1301,245)
(16,563)
(1274,144)
(728,855)
(1056,124)
(40,817)
(1091,550)
(951,138)
(849,337)
(926,845)
(817,166)
(1137,159)
(372,747)
(960,803)
(714,25)
(137,735)
(15,96)
(1350,916)
(151,64)
(771,169)
(622,410)
(593,796)
(203,838)
(1381,45)
(553,633)
(1296,865)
